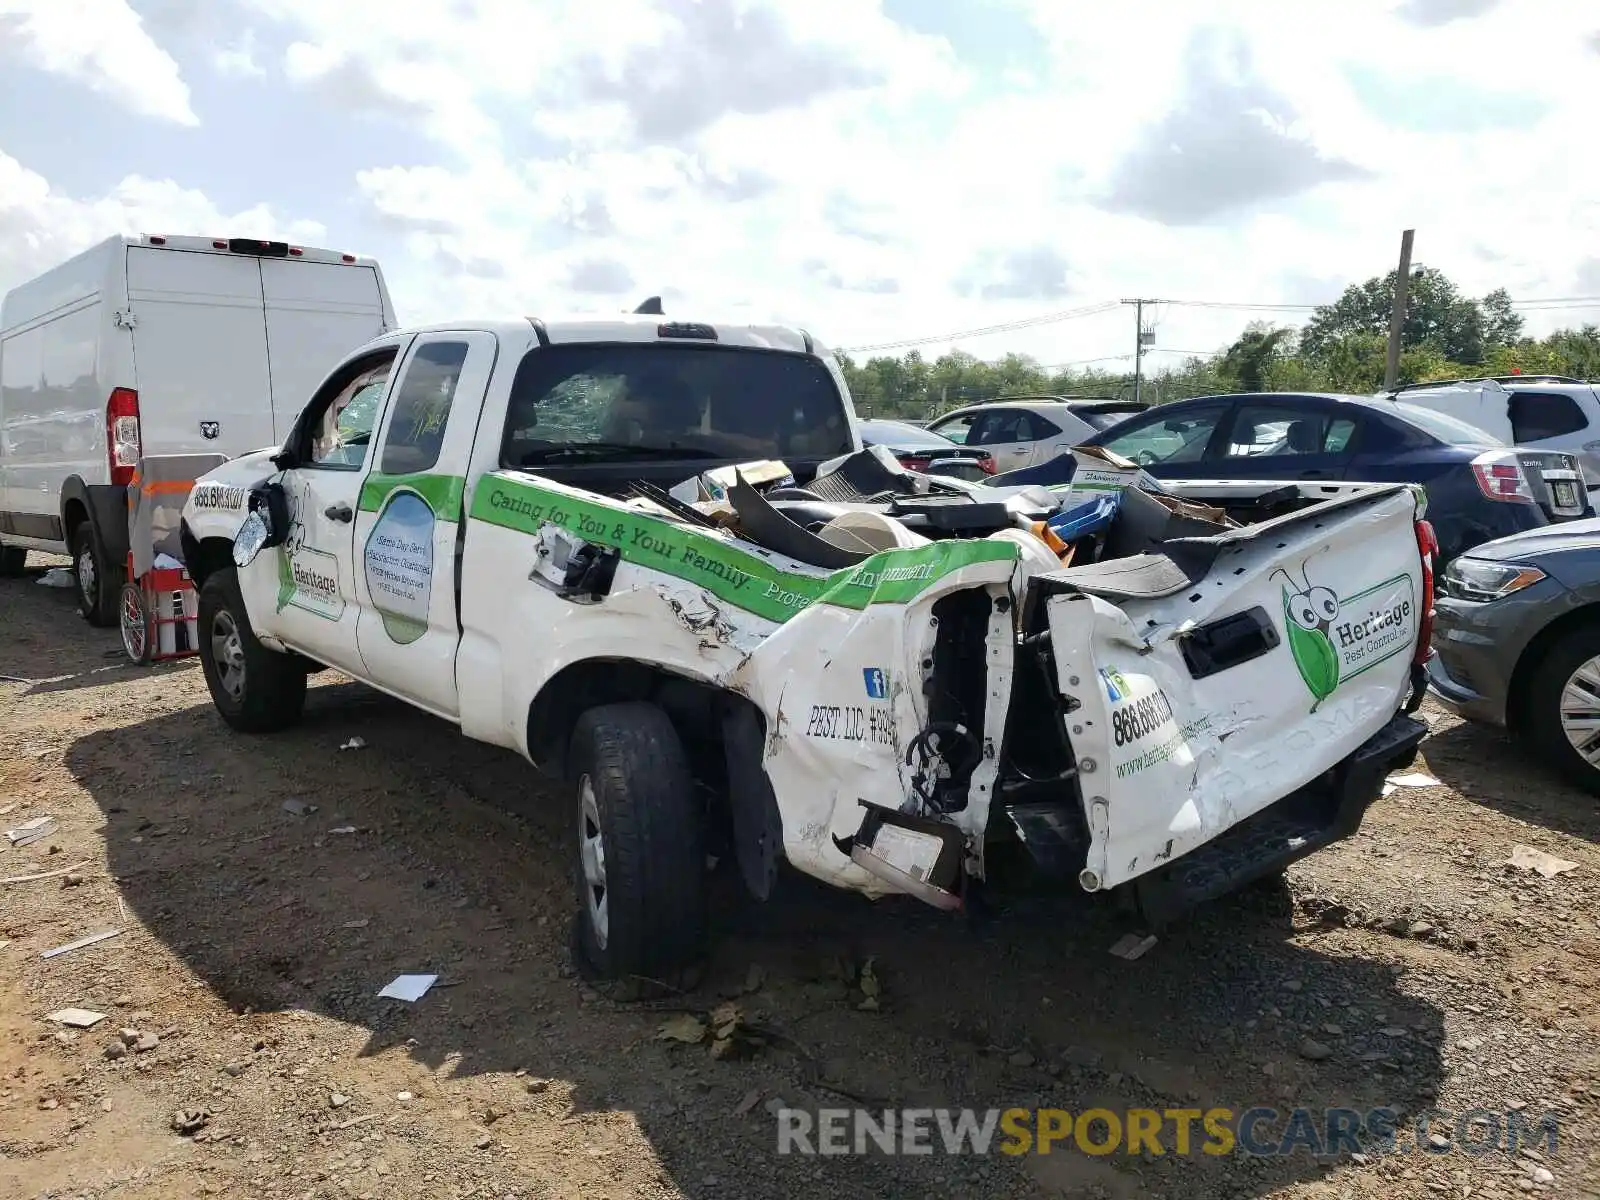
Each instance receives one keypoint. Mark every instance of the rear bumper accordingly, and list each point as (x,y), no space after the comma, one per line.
(1321,813)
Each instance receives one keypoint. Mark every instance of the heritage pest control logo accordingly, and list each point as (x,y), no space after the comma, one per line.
(1334,638)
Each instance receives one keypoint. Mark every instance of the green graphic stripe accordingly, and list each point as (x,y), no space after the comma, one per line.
(442,492)
(736,576)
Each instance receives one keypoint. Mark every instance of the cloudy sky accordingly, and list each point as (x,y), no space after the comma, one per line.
(877,170)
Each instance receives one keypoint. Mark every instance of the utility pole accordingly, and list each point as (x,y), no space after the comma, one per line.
(1142,338)
(1397,318)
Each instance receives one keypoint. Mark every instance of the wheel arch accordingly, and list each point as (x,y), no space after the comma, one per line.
(694,705)
(203,556)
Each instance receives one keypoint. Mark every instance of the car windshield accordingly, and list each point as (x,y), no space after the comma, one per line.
(1448,430)
(613,401)
(900,436)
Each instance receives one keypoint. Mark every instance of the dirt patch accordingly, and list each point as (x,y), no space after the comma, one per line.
(1408,967)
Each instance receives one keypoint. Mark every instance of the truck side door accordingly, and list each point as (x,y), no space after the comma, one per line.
(304,591)
(409,519)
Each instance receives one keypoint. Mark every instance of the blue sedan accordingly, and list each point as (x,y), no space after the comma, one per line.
(1478,487)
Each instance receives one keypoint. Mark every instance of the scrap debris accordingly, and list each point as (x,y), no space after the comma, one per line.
(298,808)
(1526,858)
(76,1018)
(1131,946)
(91,940)
(31,832)
(355,743)
(409,988)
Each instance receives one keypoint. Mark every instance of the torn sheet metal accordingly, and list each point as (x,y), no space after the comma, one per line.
(1168,761)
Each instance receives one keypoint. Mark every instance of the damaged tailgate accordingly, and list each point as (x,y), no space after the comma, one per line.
(1205,683)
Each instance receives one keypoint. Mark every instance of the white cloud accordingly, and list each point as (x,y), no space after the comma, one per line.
(40,227)
(239,59)
(101,43)
(816,162)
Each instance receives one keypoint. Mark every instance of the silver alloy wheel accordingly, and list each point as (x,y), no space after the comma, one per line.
(1580,711)
(86,575)
(592,856)
(227,651)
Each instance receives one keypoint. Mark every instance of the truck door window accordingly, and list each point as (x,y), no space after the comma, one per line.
(340,432)
(421,408)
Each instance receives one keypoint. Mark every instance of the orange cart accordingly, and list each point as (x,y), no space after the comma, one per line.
(159,608)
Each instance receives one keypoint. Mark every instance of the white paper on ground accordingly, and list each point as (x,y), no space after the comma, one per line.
(1416,779)
(409,988)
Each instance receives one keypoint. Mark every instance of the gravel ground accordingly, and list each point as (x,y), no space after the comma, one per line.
(245,1052)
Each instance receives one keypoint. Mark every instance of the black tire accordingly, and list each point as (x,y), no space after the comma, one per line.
(653,840)
(1539,726)
(269,692)
(99,580)
(12,561)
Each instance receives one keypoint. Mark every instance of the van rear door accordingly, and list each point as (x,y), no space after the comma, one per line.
(316,314)
(199,352)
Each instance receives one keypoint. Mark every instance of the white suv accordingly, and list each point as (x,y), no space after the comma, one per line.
(1541,412)
(1025,431)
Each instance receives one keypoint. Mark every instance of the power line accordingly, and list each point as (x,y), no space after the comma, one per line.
(1006,327)
(1539,304)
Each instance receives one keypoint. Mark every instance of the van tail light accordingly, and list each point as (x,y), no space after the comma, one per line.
(913,462)
(1428,551)
(987,465)
(122,435)
(1500,477)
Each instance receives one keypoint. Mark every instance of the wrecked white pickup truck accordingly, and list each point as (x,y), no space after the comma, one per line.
(894,682)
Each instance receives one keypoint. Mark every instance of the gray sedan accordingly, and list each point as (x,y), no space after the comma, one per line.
(1517,635)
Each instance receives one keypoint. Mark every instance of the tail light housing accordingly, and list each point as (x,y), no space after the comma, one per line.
(912,462)
(123,446)
(1428,550)
(986,464)
(1501,477)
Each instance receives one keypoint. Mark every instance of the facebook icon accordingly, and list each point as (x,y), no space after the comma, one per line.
(877,682)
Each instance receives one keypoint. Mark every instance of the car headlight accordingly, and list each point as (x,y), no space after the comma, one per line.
(1483,579)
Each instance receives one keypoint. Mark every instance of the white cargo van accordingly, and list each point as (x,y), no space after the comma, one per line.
(158,345)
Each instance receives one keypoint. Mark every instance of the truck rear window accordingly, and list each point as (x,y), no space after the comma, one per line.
(616,401)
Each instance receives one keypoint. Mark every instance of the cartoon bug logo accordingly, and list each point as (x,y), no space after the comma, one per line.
(1309,613)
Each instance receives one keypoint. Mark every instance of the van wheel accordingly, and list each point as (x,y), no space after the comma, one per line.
(640,850)
(12,560)
(1561,724)
(99,581)
(256,690)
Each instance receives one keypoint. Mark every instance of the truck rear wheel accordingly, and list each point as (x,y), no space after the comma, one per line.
(99,580)
(640,849)
(256,690)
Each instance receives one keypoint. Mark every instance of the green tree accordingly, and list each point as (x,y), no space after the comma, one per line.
(1249,359)
(1437,313)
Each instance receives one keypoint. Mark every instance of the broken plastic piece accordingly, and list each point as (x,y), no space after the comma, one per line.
(1131,946)
(409,988)
(355,743)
